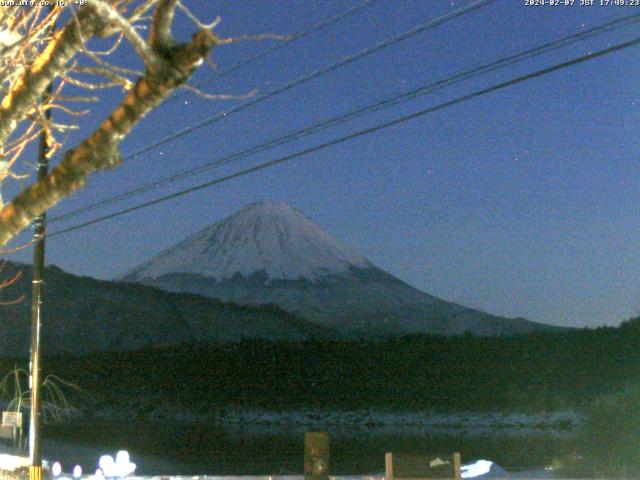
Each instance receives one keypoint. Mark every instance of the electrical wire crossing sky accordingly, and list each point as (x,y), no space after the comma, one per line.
(483,151)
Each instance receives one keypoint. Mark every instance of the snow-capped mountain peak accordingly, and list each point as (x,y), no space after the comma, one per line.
(311,275)
(269,237)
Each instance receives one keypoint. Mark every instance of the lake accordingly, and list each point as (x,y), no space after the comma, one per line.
(194,448)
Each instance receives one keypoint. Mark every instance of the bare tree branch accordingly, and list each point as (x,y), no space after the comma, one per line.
(101,150)
(111,16)
(141,10)
(30,87)
(160,36)
(218,96)
(33,57)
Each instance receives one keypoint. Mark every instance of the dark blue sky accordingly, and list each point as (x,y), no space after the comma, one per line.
(523,202)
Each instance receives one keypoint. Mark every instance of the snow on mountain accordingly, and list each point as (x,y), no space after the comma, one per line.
(268,237)
(270,253)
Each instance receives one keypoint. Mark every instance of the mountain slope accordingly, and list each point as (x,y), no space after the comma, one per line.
(270,253)
(267,236)
(82,315)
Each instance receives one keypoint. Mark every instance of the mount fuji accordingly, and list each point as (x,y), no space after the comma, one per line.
(271,253)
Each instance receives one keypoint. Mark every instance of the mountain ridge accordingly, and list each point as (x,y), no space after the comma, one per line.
(82,315)
(271,253)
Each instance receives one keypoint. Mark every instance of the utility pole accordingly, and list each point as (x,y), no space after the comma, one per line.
(35,440)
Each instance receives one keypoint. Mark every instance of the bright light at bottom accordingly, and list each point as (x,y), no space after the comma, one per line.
(476,469)
(121,467)
(122,457)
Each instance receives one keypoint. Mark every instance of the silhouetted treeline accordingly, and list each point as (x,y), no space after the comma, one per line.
(534,372)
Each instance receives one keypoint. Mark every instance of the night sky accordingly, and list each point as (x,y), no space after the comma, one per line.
(523,202)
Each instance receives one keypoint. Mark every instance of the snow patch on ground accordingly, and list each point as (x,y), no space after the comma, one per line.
(494,473)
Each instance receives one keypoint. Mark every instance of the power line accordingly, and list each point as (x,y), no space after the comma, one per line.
(315,74)
(323,23)
(360,133)
(305,78)
(387,102)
